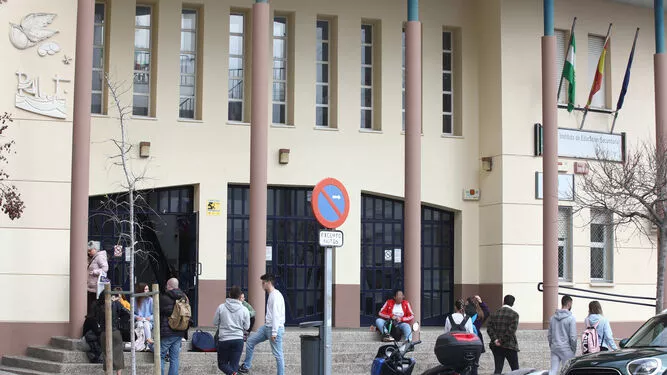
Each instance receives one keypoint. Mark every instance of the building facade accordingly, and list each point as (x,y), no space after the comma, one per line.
(182,71)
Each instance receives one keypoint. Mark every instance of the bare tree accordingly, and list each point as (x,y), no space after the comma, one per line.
(10,198)
(634,193)
(121,209)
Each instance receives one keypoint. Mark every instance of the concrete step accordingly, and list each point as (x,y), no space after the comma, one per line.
(7,370)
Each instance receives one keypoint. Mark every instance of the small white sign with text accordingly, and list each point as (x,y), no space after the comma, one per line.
(331,238)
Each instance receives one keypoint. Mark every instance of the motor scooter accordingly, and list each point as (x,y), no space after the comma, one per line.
(457,352)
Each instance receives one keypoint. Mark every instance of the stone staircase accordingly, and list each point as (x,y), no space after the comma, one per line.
(353,353)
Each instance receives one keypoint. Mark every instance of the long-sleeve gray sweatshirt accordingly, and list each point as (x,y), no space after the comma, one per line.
(231,318)
(563,331)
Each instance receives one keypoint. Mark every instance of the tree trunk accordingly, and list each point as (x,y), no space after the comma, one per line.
(662,257)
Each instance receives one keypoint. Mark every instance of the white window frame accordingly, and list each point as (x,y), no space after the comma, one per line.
(450,52)
(371,66)
(595,47)
(193,75)
(237,77)
(148,72)
(285,60)
(102,68)
(604,218)
(565,241)
(326,84)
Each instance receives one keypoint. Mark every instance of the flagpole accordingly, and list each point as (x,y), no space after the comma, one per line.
(569,43)
(590,97)
(613,123)
(621,95)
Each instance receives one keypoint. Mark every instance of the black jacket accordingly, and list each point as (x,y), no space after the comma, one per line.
(167,301)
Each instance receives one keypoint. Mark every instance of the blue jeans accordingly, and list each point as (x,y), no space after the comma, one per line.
(263,334)
(229,354)
(404,327)
(172,345)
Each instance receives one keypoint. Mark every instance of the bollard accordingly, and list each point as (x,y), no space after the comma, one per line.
(108,350)
(157,361)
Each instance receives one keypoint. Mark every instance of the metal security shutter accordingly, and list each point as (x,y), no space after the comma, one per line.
(561,51)
(595,46)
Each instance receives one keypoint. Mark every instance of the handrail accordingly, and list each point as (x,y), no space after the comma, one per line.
(540,288)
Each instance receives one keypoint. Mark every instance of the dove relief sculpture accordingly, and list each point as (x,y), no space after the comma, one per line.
(32,31)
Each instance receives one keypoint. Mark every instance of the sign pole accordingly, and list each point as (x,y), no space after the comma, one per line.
(328,275)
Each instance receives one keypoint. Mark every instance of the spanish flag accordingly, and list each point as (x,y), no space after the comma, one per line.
(597,81)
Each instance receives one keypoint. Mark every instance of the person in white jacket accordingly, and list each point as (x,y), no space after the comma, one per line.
(232,319)
(273,328)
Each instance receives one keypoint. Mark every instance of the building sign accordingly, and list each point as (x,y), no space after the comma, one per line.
(213,207)
(565,186)
(580,144)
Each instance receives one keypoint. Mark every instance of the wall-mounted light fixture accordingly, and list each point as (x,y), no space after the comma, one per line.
(487,163)
(144,149)
(283,156)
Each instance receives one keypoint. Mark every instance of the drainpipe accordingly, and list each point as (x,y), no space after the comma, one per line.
(83,81)
(413,124)
(549,167)
(259,130)
(660,82)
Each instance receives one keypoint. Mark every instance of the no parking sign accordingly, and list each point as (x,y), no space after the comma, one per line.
(330,203)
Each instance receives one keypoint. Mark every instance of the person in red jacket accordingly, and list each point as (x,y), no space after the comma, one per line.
(396,310)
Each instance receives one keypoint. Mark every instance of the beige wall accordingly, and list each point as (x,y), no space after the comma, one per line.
(34,250)
(213,153)
(521,72)
(499,238)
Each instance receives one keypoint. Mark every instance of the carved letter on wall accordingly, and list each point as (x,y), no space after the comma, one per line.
(32,30)
(29,97)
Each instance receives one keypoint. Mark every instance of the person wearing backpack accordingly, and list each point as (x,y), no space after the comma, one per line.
(174,306)
(562,335)
(459,321)
(598,323)
(232,319)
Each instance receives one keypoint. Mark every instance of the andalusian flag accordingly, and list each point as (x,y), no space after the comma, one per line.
(568,73)
(597,81)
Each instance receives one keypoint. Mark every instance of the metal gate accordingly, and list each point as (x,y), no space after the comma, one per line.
(382,258)
(167,243)
(293,253)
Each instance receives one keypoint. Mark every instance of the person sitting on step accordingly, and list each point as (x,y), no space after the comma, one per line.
(396,314)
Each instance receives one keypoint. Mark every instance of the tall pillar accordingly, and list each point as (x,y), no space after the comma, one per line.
(660,82)
(413,124)
(259,129)
(549,167)
(83,81)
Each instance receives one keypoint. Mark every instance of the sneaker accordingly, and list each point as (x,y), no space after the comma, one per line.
(243,369)
(387,338)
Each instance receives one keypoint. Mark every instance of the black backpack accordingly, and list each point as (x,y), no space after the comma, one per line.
(461,327)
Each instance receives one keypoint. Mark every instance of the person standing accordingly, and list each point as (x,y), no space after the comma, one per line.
(398,311)
(562,335)
(170,340)
(97,265)
(502,332)
(232,319)
(273,328)
(603,328)
(458,321)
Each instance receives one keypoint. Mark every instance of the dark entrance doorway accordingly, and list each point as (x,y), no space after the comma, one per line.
(293,253)
(167,243)
(382,258)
